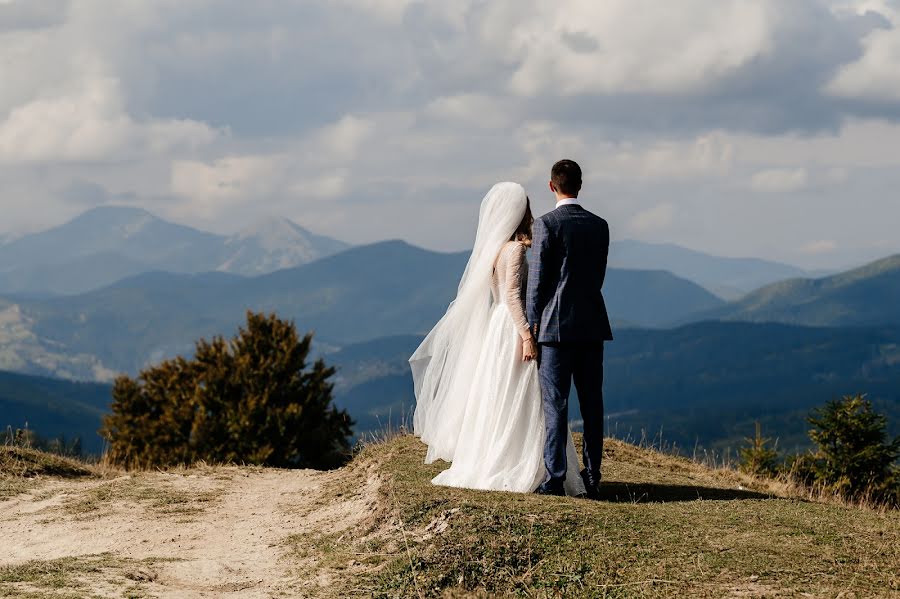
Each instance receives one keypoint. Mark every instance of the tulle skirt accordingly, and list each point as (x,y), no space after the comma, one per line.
(501,443)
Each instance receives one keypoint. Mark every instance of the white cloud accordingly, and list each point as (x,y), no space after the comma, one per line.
(90,124)
(344,139)
(822,246)
(652,220)
(623,46)
(779,180)
(324,186)
(708,155)
(224,180)
(472,109)
(345,113)
(876,75)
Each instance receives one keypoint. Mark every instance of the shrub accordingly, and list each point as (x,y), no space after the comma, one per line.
(854,457)
(252,399)
(757,458)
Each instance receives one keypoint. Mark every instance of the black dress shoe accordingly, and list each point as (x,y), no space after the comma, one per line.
(591,484)
(551,488)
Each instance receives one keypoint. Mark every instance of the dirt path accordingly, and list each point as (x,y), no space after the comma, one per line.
(216,532)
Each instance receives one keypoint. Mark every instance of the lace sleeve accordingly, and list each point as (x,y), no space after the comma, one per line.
(516,274)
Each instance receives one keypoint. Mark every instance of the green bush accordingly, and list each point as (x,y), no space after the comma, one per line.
(757,457)
(251,400)
(854,458)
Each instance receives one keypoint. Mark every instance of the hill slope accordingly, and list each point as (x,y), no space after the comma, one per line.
(865,296)
(377,528)
(54,408)
(363,293)
(703,383)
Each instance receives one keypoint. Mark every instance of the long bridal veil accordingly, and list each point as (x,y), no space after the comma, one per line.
(444,364)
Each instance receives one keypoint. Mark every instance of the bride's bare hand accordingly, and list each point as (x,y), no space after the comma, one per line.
(529,350)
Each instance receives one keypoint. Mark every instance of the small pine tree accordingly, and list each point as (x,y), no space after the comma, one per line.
(253,399)
(854,456)
(757,458)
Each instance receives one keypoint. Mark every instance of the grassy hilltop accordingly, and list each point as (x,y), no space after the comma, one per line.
(667,527)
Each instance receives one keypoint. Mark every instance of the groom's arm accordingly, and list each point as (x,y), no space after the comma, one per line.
(536,294)
(604,257)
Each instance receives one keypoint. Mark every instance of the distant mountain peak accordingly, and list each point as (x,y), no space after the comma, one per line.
(115,211)
(107,243)
(275,243)
(274,229)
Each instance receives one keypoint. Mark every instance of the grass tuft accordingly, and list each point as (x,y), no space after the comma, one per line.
(20,462)
(67,576)
(158,497)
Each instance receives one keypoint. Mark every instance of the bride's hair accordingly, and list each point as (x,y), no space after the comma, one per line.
(523,231)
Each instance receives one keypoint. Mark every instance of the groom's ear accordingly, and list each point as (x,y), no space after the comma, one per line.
(552,187)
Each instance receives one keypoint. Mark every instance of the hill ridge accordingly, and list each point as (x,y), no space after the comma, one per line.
(863,296)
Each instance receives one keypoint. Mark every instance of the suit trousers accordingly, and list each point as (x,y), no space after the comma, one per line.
(559,364)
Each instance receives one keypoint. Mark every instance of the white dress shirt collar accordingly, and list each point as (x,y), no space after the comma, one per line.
(567,202)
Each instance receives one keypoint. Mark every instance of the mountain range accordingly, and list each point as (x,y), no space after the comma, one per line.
(109,243)
(139,289)
(703,384)
(363,293)
(729,278)
(865,296)
(106,244)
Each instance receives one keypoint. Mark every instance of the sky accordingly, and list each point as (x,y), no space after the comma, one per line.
(739,127)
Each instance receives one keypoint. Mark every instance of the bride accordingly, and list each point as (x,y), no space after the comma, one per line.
(478,398)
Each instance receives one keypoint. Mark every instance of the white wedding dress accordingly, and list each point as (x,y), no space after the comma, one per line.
(501,444)
(478,405)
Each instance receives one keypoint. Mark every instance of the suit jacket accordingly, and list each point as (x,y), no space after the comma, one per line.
(564,301)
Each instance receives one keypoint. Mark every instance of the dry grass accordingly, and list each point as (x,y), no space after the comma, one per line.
(154,495)
(23,470)
(19,462)
(76,577)
(666,527)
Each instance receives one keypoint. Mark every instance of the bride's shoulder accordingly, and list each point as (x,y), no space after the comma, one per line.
(514,245)
(515,248)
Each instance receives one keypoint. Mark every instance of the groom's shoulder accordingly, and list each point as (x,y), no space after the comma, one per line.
(597,219)
(548,219)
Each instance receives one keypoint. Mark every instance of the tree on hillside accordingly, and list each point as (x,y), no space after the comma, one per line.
(757,457)
(252,399)
(854,457)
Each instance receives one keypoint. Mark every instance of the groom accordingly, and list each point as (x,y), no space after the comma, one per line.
(567,316)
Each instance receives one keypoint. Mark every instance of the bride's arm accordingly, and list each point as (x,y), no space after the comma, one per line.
(515,275)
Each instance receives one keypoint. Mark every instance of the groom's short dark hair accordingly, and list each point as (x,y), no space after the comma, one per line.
(566,177)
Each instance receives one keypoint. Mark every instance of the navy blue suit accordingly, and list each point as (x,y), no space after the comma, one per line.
(567,315)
